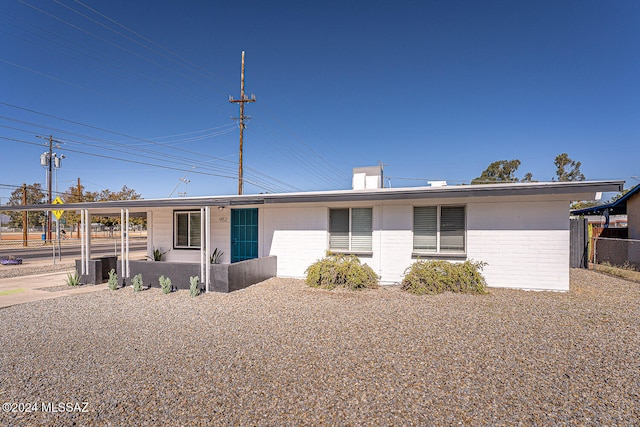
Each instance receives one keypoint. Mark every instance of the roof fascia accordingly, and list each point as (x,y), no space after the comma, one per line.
(572,190)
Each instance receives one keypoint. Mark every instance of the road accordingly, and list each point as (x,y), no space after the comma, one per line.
(71,249)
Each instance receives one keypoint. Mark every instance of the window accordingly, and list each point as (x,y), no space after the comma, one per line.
(350,229)
(439,229)
(187,229)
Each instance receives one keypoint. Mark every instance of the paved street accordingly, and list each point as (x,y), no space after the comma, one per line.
(70,249)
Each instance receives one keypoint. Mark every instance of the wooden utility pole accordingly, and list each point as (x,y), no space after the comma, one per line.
(24,216)
(241,120)
(49,167)
(49,200)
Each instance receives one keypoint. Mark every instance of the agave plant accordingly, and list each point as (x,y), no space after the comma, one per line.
(73,279)
(157,254)
(215,256)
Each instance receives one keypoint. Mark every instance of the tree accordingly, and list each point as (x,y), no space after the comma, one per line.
(584,204)
(619,195)
(567,169)
(528,177)
(125,193)
(76,194)
(35,196)
(499,172)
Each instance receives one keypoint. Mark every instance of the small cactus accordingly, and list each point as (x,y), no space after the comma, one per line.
(165,284)
(194,290)
(113,280)
(138,285)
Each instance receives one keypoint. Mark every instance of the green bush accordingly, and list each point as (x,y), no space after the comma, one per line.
(436,277)
(343,271)
(113,280)
(137,283)
(165,284)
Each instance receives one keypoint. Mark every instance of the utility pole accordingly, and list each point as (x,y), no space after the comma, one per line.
(24,215)
(243,99)
(47,160)
(49,187)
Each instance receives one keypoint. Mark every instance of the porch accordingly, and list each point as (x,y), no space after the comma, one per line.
(223,277)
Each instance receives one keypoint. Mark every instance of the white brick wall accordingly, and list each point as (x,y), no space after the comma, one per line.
(396,242)
(525,243)
(296,235)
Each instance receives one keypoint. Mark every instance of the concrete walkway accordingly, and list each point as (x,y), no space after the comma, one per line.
(23,289)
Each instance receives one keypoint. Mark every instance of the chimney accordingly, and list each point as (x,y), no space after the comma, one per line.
(367,178)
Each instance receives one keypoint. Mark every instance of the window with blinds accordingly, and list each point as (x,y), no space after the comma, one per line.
(439,229)
(452,224)
(350,229)
(425,229)
(187,230)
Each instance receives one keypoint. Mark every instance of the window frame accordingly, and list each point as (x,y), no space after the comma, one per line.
(189,213)
(350,235)
(439,252)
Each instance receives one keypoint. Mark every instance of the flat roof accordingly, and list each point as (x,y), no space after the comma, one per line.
(580,189)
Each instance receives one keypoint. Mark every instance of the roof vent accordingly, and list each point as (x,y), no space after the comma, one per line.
(367,178)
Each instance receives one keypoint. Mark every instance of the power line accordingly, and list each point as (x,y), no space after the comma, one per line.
(266,187)
(102,39)
(323,175)
(181,59)
(145,76)
(277,185)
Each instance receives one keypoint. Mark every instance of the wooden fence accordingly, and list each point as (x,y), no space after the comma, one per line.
(579,237)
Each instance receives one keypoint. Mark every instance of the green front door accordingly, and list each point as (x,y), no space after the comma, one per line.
(244,234)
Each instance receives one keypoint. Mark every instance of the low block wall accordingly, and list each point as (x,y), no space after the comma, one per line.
(98,270)
(178,272)
(245,273)
(614,251)
(224,277)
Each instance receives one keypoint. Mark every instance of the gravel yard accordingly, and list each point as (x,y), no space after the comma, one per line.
(280,353)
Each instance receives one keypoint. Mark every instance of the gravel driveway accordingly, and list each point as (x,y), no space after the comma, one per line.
(280,353)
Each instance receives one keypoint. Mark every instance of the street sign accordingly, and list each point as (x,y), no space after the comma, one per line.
(58,201)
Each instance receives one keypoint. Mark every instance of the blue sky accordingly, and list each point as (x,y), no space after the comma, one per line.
(436,90)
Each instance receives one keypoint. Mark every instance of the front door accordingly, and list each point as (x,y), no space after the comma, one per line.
(244,234)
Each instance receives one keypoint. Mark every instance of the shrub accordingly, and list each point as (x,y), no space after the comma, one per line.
(113,280)
(194,290)
(165,284)
(73,279)
(344,271)
(137,283)
(435,277)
